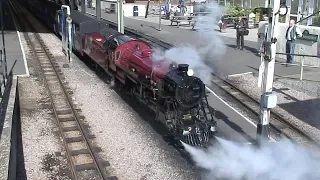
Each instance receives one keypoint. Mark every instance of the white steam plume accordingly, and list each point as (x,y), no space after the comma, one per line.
(210,46)
(282,160)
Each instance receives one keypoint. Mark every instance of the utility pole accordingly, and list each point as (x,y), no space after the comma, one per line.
(266,3)
(268,98)
(83,6)
(120,17)
(160,11)
(98,9)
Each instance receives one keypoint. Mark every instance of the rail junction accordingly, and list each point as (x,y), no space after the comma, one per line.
(79,142)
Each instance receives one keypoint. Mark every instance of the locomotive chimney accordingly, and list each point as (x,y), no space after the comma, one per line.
(183,68)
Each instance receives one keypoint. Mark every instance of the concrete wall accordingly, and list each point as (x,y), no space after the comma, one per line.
(8,137)
(302,46)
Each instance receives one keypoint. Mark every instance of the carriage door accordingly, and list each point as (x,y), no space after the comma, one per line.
(113,44)
(77,38)
(63,25)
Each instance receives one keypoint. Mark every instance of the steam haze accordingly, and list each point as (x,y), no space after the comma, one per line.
(209,46)
(276,161)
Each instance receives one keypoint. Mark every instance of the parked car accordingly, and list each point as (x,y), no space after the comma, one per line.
(226,19)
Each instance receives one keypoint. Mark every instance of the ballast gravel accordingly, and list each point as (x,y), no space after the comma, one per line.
(38,128)
(43,152)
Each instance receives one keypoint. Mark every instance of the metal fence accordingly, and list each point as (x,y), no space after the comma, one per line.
(301,64)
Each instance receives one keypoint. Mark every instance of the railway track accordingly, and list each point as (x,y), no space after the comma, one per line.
(81,155)
(279,125)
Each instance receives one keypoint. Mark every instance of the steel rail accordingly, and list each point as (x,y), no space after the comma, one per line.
(37,46)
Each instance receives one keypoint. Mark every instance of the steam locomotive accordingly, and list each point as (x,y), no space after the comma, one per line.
(163,86)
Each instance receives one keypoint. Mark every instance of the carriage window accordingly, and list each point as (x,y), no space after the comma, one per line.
(117,55)
(113,45)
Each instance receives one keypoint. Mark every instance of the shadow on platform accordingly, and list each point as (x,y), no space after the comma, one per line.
(220,116)
(250,49)
(307,111)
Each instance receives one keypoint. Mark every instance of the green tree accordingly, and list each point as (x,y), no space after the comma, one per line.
(316,19)
(237,11)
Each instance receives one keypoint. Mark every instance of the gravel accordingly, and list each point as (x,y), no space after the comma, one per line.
(297,107)
(40,143)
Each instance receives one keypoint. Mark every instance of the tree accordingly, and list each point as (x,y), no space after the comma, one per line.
(238,11)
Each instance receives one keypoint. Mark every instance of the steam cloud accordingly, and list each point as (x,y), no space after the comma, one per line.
(209,46)
(277,161)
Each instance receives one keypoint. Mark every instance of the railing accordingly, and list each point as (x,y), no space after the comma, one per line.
(302,65)
(9,119)
(3,73)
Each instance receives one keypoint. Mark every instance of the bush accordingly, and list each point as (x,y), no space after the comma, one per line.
(238,11)
(316,19)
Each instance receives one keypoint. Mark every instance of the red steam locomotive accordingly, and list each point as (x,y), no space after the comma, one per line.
(165,87)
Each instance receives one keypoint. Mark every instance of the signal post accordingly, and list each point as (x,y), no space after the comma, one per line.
(266,71)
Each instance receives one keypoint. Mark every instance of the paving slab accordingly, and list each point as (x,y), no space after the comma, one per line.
(14,51)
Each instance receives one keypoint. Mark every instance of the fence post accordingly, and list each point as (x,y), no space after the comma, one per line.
(301,69)
(1,72)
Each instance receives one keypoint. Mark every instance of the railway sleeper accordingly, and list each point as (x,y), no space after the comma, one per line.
(84,151)
(216,81)
(79,139)
(83,167)
(72,128)
(278,124)
(64,111)
(235,93)
(56,91)
(74,139)
(59,99)
(49,70)
(65,119)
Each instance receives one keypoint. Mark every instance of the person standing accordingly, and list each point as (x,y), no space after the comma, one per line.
(291,35)
(240,27)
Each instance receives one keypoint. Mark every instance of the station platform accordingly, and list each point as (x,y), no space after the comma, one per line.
(13,44)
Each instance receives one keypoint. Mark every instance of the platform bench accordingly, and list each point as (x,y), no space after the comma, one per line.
(179,19)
